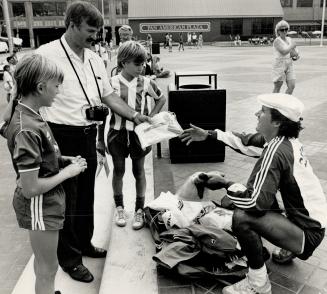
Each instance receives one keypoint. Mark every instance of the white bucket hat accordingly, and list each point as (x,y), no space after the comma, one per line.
(288,105)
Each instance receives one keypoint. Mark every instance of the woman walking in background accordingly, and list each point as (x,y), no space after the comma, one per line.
(284,52)
(181,42)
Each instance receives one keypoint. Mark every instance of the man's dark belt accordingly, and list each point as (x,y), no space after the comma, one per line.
(83,129)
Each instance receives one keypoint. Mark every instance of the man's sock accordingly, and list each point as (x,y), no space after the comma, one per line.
(139,203)
(258,277)
(119,200)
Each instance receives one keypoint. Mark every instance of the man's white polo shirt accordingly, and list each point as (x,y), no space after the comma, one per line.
(68,106)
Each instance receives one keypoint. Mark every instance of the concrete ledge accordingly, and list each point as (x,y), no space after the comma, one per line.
(129,267)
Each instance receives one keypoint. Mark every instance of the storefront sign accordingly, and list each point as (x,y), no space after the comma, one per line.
(19,24)
(48,23)
(175,27)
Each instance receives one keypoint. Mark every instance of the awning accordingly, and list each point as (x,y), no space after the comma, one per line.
(163,9)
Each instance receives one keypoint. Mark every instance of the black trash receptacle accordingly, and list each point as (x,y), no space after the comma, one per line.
(204,107)
(155,48)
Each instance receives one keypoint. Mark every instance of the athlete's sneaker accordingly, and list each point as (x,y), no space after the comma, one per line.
(244,287)
(282,256)
(120,217)
(138,221)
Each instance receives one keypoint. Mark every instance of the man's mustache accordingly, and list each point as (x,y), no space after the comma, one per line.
(90,40)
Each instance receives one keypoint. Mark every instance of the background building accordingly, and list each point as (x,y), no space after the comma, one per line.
(39,21)
(304,15)
(216,19)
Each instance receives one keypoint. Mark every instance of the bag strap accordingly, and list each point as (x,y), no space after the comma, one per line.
(79,80)
(96,81)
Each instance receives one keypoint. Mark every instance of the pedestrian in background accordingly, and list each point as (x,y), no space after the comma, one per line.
(189,39)
(39,198)
(170,43)
(8,83)
(125,33)
(284,53)
(149,43)
(181,42)
(200,41)
(194,39)
(104,53)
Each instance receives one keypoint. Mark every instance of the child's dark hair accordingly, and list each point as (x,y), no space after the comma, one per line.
(6,67)
(287,128)
(131,51)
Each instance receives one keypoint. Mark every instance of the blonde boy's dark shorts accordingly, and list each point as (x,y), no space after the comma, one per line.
(123,143)
(45,212)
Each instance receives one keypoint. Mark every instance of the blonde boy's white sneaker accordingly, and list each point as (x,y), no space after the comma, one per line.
(120,217)
(138,221)
(244,287)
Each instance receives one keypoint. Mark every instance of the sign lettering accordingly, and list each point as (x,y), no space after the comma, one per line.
(175,27)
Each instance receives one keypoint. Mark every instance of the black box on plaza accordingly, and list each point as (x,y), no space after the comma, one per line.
(155,48)
(204,107)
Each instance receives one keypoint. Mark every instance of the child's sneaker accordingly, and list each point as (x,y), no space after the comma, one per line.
(138,221)
(244,287)
(120,217)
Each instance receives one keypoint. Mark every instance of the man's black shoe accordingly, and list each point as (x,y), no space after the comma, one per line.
(95,252)
(79,273)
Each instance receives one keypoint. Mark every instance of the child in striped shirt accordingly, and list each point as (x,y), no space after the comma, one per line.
(136,90)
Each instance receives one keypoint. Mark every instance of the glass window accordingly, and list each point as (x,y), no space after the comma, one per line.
(286,3)
(322,3)
(106,8)
(18,9)
(231,26)
(61,8)
(125,7)
(118,7)
(49,8)
(304,3)
(262,26)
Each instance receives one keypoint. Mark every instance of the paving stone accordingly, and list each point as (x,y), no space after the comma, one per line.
(318,278)
(280,290)
(285,282)
(310,290)
(212,289)
(297,270)
(177,290)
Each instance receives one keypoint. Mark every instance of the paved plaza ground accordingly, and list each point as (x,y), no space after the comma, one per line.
(244,72)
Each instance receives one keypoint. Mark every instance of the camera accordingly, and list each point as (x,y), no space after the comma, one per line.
(97,113)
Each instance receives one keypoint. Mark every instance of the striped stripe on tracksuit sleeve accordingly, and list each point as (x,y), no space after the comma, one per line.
(259,194)
(247,144)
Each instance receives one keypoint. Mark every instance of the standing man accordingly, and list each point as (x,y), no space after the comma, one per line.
(282,166)
(74,125)
(125,33)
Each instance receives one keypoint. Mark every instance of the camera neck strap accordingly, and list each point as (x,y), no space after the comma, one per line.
(79,80)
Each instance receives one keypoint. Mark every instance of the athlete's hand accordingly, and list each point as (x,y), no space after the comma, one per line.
(193,134)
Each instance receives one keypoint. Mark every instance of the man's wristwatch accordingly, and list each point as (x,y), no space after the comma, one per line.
(212,135)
